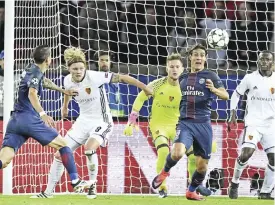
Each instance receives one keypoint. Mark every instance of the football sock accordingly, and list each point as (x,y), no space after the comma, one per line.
(92,164)
(69,163)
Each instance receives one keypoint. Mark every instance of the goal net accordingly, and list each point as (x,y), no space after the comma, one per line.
(140,34)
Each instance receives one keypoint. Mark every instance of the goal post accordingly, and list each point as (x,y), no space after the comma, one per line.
(140,34)
(8,84)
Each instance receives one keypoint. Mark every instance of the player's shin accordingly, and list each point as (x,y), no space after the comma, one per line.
(197,180)
(169,163)
(92,163)
(69,163)
(163,151)
(191,165)
(238,170)
(55,174)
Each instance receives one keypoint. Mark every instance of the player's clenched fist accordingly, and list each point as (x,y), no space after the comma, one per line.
(132,123)
(48,120)
(210,85)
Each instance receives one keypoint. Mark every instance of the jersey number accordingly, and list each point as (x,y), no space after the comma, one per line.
(97,129)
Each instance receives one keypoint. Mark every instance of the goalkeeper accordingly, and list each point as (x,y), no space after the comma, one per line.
(164,117)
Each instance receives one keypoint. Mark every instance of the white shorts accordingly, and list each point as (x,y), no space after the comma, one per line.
(82,130)
(265,135)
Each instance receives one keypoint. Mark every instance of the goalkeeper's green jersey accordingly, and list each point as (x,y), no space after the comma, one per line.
(166,101)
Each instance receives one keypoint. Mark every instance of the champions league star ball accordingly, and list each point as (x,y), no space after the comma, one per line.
(217,38)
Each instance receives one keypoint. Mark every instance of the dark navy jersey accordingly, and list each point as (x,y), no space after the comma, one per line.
(32,77)
(196,98)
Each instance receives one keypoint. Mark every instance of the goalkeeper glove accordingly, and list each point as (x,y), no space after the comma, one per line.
(132,123)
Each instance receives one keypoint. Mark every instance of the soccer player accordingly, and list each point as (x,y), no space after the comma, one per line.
(164,116)
(30,120)
(94,124)
(259,122)
(198,88)
(104,62)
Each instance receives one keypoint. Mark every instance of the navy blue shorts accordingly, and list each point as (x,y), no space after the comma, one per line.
(23,125)
(199,135)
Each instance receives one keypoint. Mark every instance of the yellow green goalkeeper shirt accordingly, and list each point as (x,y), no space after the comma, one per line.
(166,101)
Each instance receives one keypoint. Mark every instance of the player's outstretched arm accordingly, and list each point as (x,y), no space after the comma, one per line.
(32,95)
(138,103)
(47,83)
(132,81)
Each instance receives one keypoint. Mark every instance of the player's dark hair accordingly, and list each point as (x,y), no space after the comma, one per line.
(267,52)
(174,56)
(104,53)
(195,47)
(41,53)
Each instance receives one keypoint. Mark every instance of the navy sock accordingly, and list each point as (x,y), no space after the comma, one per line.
(68,162)
(197,179)
(169,163)
(1,164)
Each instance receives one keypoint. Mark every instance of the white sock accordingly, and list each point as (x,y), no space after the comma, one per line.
(54,176)
(92,164)
(268,183)
(238,170)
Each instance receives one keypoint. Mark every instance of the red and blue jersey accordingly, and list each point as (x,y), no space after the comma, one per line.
(32,77)
(196,97)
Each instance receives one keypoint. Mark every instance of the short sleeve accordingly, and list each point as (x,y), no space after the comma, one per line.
(243,86)
(35,79)
(66,82)
(100,78)
(216,81)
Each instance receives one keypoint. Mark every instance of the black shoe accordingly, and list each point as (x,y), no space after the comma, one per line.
(92,192)
(266,196)
(233,190)
(162,194)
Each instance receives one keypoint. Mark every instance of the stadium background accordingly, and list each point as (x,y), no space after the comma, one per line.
(140,35)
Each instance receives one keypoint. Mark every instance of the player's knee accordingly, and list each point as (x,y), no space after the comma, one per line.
(245,155)
(271,157)
(5,162)
(177,154)
(57,156)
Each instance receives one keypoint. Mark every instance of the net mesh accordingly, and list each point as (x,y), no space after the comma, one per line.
(141,35)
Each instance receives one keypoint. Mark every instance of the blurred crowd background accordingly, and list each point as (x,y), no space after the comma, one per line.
(141,34)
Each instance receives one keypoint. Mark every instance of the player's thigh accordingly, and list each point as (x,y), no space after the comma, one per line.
(184,135)
(80,131)
(6,155)
(38,130)
(251,137)
(268,140)
(13,141)
(203,137)
(159,135)
(99,135)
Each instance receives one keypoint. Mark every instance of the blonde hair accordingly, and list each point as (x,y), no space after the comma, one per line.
(74,55)
(174,56)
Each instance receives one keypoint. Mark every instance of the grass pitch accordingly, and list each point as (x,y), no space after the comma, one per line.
(128,200)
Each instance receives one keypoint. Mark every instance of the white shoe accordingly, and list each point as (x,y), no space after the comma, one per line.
(42,195)
(92,192)
(81,185)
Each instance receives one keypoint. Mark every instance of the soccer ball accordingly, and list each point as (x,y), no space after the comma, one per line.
(217,38)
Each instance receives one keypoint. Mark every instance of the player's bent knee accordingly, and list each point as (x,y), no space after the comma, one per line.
(246,154)
(57,156)
(93,143)
(58,143)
